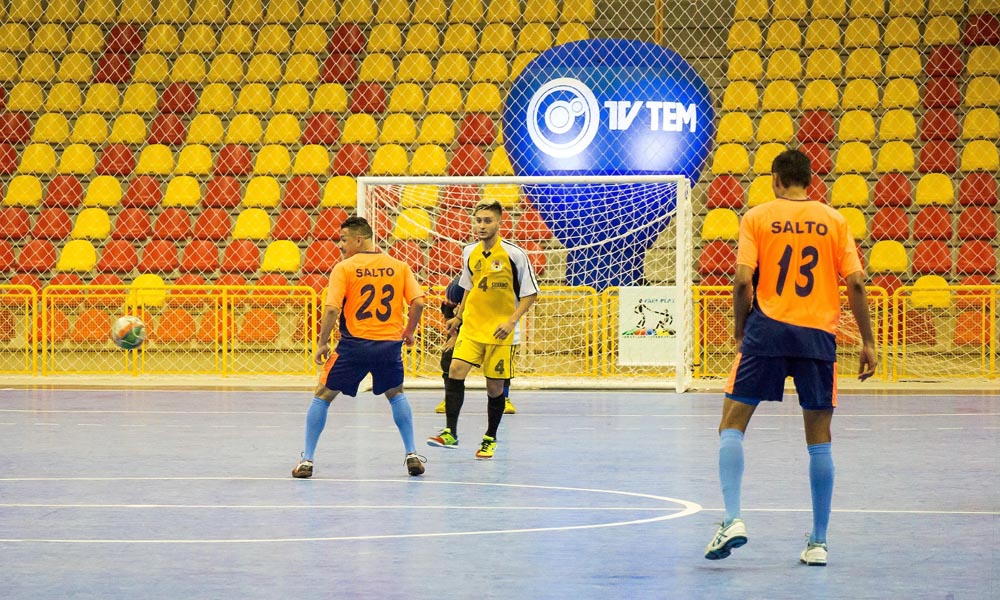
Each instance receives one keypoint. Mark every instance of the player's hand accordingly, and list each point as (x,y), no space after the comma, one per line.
(868,361)
(322,353)
(453,324)
(503,330)
(408,338)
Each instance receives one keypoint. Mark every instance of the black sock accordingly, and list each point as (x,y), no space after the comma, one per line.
(454,397)
(494,412)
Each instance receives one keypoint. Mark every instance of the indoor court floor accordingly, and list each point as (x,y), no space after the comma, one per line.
(188,494)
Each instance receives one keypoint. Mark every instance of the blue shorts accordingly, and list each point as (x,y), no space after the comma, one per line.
(757,378)
(353,359)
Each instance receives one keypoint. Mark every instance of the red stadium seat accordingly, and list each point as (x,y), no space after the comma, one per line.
(52,224)
(717,257)
(460,195)
(114,68)
(890,282)
(932,223)
(64,191)
(143,191)
(28,279)
(301,191)
(213,224)
(116,160)
(200,256)
(941,92)
(234,159)
(977,257)
(91,327)
(973,298)
(15,222)
(321,256)
(444,256)
(348,38)
(36,256)
(944,61)
(159,256)
(223,192)
(981,30)
(339,68)
(978,188)
(351,159)
(317,281)
(816,126)
(321,128)
(467,160)
(3,99)
(890,223)
(819,156)
(409,252)
(259,326)
(725,191)
(132,224)
(918,327)
(123,38)
(971,329)
(939,124)
(368,97)
(931,257)
(478,129)
(178,97)
(977,223)
(168,129)
(214,325)
(6,255)
(241,256)
(292,224)
(893,189)
(531,226)
(189,297)
(938,157)
(176,325)
(8,159)
(118,256)
(172,224)
(454,223)
(15,128)
(817,189)
(535,256)
(328,223)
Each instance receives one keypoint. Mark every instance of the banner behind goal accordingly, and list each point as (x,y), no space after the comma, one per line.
(612,256)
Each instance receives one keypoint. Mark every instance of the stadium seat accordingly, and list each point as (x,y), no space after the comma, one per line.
(717,257)
(159,256)
(260,325)
(103,190)
(971,329)
(301,192)
(52,224)
(745,65)
(730,159)
(213,224)
(405,98)
(143,191)
(139,98)
(216,98)
(427,160)
(853,157)
(102,98)
(76,159)
(783,34)
(15,128)
(897,125)
(15,223)
(490,68)
(321,256)
(51,128)
(36,256)
(64,97)
(977,223)
(890,223)
(466,160)
(90,129)
(734,128)
(200,256)
(976,257)
(75,67)
(860,94)
(23,190)
(193,160)
(155,159)
(281,256)
(128,129)
(240,256)
(862,33)
(824,63)
(895,156)
(941,31)
(37,159)
(780,96)
(764,157)
(855,222)
(981,30)
(932,223)
(724,191)
(272,159)
(822,33)
(932,257)
(935,188)
(537,37)
(941,92)
(938,124)
(819,157)
(903,62)
(8,159)
(262,192)
(982,91)
(339,68)
(282,129)
(475,128)
(398,129)
(774,127)
(244,129)
(444,256)
(978,189)
(360,129)
(301,69)
(484,98)
(944,61)
(91,327)
(351,159)
(179,98)
(902,31)
(980,155)
(740,96)
(234,159)
(409,252)
(422,37)
(252,224)
(981,124)
(390,159)
(167,129)
(223,191)
(172,224)
(849,190)
(322,129)
(118,256)
(938,157)
(720,224)
(132,224)
(292,98)
(888,256)
(984,60)
(856,126)
(311,159)
(91,223)
(175,325)
(292,224)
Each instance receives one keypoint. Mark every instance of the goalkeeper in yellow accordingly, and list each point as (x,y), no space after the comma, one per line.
(499,287)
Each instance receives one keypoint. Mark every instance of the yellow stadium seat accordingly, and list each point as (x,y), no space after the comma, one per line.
(64,97)
(888,256)
(77,256)
(200,39)
(452,68)
(743,35)
(720,224)
(520,62)
(900,93)
(503,11)
(310,38)
(505,193)
(25,97)
(823,64)
(393,11)
(935,189)
(984,6)
(860,94)
(855,222)
(194,159)
(244,129)
(764,157)
(183,191)
(102,98)
(398,129)
(745,65)
(775,127)
(734,128)
(37,159)
(103,191)
(930,291)
(856,126)
(466,12)
(863,62)
(981,123)
(823,33)
(945,7)
(784,64)
(902,31)
(272,159)
(91,224)
(311,159)
(484,97)
(99,11)
(740,96)
(490,68)
(25,10)
(283,129)
(151,68)
(253,98)
(378,68)
(246,11)
(385,37)
(292,98)
(390,159)
(173,11)
(980,155)
(783,34)
(87,37)
(14,37)
(281,256)
(540,11)
(760,192)
(50,38)
(499,163)
(216,98)
(237,39)
(76,67)
(415,68)
(828,9)
(849,190)
(136,11)
(459,38)
(90,129)
(730,158)
(789,9)
(360,128)
(780,95)
(252,224)
(356,12)
(155,159)
(329,98)
(228,68)
(752,9)
(422,37)
(407,98)
(139,98)
(77,159)
(941,30)
(301,68)
(437,129)
(209,11)
(273,39)
(412,224)
(51,128)
(282,11)
(420,196)
(982,91)
(340,191)
(581,11)
(984,60)
(429,160)
(128,129)
(39,67)
(853,157)
(8,67)
(23,190)
(499,37)
(862,33)
(147,290)
(262,192)
(907,8)
(897,125)
(444,98)
(821,94)
(896,156)
(903,62)
(162,39)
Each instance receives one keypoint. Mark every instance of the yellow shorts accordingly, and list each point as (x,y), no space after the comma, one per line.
(497,361)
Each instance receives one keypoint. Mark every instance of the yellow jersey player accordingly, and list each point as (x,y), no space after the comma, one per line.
(498,286)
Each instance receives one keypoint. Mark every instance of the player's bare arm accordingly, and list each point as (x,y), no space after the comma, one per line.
(416,310)
(523,304)
(330,318)
(857,297)
(742,299)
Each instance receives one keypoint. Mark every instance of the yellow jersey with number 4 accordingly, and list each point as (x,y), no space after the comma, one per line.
(495,279)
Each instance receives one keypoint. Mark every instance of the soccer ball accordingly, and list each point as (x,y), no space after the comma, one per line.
(128,332)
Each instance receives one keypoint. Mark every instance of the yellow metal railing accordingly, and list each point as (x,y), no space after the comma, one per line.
(18,329)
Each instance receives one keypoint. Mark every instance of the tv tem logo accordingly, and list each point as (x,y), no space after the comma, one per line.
(561,102)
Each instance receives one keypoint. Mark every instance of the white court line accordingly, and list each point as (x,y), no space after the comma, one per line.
(344,506)
(872,511)
(132,425)
(950,428)
(90,424)
(48,424)
(904,428)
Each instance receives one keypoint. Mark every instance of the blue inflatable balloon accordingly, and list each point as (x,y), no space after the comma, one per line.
(607,107)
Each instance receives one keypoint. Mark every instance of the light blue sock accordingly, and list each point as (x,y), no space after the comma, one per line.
(731,470)
(402,414)
(315,422)
(821,483)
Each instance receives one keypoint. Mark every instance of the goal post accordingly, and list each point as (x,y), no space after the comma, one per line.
(613,256)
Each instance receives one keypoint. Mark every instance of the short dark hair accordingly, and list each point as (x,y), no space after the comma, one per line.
(358,226)
(792,168)
(493,206)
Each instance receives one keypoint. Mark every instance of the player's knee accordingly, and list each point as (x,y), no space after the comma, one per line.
(494,387)
(458,369)
(324,393)
(446,361)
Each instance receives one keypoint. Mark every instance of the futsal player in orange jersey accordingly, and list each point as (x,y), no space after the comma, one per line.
(368,294)
(786,304)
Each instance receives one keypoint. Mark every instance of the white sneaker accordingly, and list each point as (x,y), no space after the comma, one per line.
(726,538)
(814,555)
